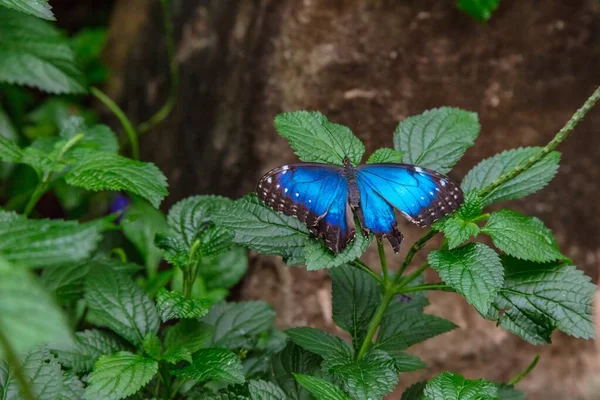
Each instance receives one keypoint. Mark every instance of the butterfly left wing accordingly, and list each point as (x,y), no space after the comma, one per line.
(421,195)
(316,194)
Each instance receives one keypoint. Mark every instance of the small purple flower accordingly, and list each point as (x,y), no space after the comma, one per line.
(119,206)
(404,298)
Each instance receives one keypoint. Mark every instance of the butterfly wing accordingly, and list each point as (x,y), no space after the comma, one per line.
(421,195)
(316,194)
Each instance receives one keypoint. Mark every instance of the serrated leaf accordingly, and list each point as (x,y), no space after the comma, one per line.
(473,270)
(333,349)
(481,10)
(524,184)
(538,298)
(522,237)
(28,314)
(119,375)
(371,377)
(321,389)
(105,171)
(291,361)
(38,8)
(385,155)
(401,329)
(72,388)
(96,137)
(320,257)
(456,230)
(449,386)
(224,270)
(508,392)
(41,370)
(141,222)
(50,64)
(264,230)
(184,339)
(217,364)
(437,138)
(414,392)
(152,346)
(86,349)
(10,150)
(192,228)
(355,296)
(118,303)
(43,242)
(262,390)
(404,362)
(236,324)
(315,139)
(173,305)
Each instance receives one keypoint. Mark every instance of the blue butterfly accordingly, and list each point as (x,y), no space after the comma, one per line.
(326,198)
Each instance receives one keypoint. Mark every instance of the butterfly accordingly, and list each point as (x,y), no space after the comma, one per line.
(327,197)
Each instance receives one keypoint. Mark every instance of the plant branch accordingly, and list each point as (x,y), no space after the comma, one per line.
(419,244)
(14,361)
(429,286)
(383,260)
(560,136)
(526,372)
(166,109)
(127,126)
(412,276)
(388,295)
(362,266)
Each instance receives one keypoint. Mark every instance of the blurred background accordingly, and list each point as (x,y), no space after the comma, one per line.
(366,64)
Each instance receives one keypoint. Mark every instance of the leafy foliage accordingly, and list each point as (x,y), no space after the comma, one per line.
(333,349)
(321,389)
(481,10)
(88,346)
(28,41)
(216,364)
(437,138)
(473,270)
(185,338)
(524,184)
(385,155)
(315,139)
(262,390)
(174,305)
(449,386)
(290,362)
(38,8)
(458,227)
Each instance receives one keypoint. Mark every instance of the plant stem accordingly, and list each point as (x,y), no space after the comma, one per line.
(388,295)
(413,276)
(560,136)
(526,372)
(419,244)
(127,126)
(430,286)
(360,265)
(13,360)
(166,109)
(44,182)
(383,261)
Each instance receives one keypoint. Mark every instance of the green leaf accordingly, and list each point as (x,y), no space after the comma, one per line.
(192,230)
(88,44)
(268,232)
(405,362)
(414,392)
(315,139)
(86,349)
(473,270)
(291,361)
(50,64)
(39,8)
(538,298)
(355,296)
(96,137)
(437,138)
(320,257)
(106,171)
(372,377)
(524,184)
(10,150)
(217,364)
(224,270)
(173,305)
(333,349)
(185,338)
(481,10)
(508,392)
(321,389)
(458,227)
(43,242)
(152,346)
(42,371)
(118,303)
(449,386)
(385,155)
(28,314)
(262,390)
(237,323)
(141,222)
(119,375)
(72,388)
(522,237)
(401,329)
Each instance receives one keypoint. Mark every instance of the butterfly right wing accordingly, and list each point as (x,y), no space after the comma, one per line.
(316,194)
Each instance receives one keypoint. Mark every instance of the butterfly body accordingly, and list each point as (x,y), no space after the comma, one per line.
(326,198)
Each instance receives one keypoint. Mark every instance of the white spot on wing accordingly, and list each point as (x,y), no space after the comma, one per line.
(431,193)
(443,182)
(269,179)
(284,172)
(418,169)
(297,194)
(309,200)
(285,190)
